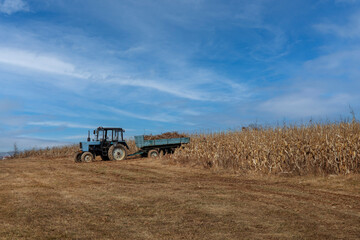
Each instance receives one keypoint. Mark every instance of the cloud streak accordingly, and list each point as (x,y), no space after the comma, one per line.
(38,62)
(13,6)
(156,118)
(349,30)
(60,124)
(306,104)
(175,89)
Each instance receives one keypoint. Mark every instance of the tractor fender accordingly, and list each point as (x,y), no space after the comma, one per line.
(123,143)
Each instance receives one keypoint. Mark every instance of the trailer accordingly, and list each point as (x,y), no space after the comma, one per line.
(157,147)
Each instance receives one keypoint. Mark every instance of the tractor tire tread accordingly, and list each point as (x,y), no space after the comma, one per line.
(111,150)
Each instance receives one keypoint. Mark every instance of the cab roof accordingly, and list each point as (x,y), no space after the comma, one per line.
(111,128)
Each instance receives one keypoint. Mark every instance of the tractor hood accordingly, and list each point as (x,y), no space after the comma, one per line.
(84,146)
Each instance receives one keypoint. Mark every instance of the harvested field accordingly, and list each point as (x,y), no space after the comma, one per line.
(166,135)
(43,198)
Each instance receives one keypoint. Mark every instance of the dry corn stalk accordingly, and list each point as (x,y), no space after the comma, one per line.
(316,149)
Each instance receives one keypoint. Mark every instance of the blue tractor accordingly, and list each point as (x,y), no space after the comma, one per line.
(108,143)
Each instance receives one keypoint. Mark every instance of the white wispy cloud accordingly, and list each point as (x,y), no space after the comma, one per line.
(325,86)
(306,104)
(38,62)
(340,63)
(61,124)
(351,29)
(13,6)
(75,137)
(157,118)
(174,89)
(180,79)
(347,1)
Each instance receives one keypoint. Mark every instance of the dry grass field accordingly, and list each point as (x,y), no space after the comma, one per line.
(54,198)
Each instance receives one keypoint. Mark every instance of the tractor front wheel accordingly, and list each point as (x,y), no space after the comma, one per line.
(87,157)
(77,157)
(117,153)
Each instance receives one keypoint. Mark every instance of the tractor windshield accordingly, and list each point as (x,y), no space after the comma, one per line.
(108,135)
(100,135)
(117,136)
(112,135)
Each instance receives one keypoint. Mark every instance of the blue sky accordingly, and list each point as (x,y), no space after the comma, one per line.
(156,66)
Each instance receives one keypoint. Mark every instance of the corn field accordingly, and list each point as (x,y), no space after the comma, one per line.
(298,150)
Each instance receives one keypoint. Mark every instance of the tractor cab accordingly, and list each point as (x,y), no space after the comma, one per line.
(108,143)
(108,134)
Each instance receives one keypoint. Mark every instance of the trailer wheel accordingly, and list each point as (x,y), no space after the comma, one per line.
(77,157)
(87,157)
(153,153)
(117,153)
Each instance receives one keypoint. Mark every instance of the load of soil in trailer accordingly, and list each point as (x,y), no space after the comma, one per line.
(166,135)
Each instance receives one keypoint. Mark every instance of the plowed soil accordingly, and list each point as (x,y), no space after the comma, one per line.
(166,135)
(146,199)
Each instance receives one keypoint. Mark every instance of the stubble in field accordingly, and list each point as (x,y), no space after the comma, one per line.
(43,198)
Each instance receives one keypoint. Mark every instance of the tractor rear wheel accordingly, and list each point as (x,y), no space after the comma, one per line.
(77,157)
(87,157)
(153,153)
(117,153)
